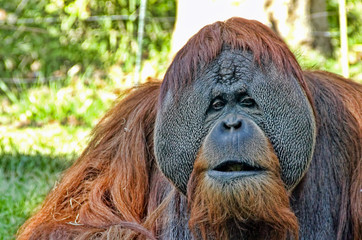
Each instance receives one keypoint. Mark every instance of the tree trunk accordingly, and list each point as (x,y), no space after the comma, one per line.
(319,22)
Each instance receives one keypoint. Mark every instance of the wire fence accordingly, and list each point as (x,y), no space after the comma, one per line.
(133,17)
(13,24)
(19,24)
(31,80)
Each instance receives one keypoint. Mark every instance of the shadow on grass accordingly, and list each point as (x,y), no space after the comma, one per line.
(25,180)
(20,163)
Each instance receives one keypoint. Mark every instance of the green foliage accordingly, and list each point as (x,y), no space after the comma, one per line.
(48,37)
(354,21)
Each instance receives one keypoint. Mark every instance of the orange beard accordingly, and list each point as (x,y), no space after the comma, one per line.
(255,207)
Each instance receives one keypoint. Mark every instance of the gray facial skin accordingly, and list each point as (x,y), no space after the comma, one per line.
(271,102)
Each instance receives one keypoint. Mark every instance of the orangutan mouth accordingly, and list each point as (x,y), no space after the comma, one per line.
(232,169)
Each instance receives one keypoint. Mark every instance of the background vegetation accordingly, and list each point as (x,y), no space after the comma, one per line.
(47,37)
(63,63)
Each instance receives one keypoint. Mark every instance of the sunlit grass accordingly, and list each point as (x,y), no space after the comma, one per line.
(31,161)
(79,103)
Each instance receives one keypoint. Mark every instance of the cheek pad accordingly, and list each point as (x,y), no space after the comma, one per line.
(179,132)
(288,122)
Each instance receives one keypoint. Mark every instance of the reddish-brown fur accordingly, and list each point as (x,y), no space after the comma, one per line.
(338,151)
(115,190)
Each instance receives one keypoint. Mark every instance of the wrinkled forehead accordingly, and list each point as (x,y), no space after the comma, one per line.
(229,66)
(231,69)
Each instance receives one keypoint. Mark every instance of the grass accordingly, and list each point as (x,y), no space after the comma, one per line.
(31,161)
(42,130)
(79,102)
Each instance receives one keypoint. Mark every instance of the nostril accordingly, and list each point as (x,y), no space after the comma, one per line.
(232,124)
(237,125)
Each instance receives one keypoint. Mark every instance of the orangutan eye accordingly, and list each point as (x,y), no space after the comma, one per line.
(247,102)
(218,104)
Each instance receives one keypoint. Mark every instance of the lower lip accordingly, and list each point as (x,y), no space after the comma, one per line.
(232,175)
